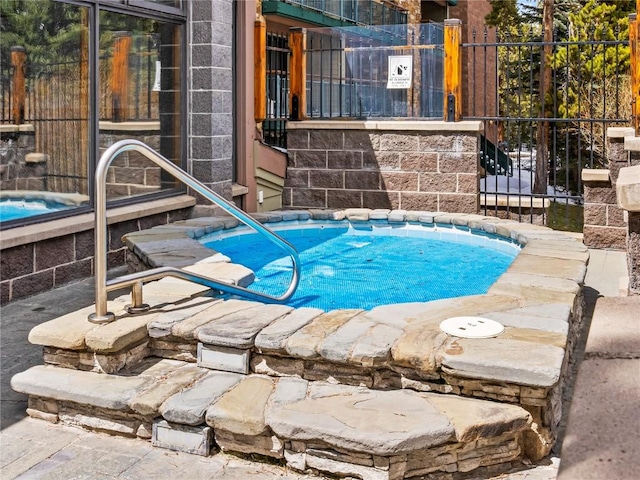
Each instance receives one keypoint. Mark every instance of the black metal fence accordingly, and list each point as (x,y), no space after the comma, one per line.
(349,72)
(277,97)
(56,103)
(538,139)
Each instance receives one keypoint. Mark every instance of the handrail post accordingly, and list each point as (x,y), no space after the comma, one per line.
(101,315)
(18,88)
(452,70)
(298,74)
(260,72)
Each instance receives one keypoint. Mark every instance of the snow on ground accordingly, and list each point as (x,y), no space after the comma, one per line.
(520,184)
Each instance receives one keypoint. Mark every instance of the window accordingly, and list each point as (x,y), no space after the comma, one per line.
(74,80)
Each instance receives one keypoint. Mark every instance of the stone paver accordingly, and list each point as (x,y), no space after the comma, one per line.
(518,362)
(239,329)
(148,402)
(189,406)
(273,337)
(304,343)
(105,391)
(383,423)
(241,410)
(189,328)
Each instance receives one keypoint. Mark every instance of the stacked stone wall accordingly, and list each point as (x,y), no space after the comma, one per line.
(352,165)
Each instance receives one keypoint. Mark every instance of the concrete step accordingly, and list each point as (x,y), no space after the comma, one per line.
(338,429)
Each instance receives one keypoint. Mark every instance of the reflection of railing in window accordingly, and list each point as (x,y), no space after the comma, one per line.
(347,72)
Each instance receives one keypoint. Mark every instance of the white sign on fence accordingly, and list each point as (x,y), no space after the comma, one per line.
(400,71)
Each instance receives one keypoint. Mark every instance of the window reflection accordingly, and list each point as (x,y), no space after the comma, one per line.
(139,99)
(46,123)
(44,75)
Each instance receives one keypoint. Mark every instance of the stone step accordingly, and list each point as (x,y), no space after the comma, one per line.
(389,347)
(337,429)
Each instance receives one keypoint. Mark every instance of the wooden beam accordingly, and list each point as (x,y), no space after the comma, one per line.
(298,74)
(120,76)
(453,70)
(260,72)
(18,86)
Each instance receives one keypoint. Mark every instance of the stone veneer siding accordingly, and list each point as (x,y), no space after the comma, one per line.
(604,224)
(210,96)
(409,165)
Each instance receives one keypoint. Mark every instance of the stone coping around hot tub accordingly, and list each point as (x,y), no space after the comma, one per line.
(70,199)
(178,245)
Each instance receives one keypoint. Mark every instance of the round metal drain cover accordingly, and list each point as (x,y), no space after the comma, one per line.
(471,327)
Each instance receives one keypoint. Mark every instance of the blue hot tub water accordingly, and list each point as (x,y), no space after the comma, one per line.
(364,267)
(12,209)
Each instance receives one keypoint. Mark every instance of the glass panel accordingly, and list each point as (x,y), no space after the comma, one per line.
(139,86)
(44,76)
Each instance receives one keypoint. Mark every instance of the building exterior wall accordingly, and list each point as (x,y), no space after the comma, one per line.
(210,95)
(431,166)
(33,266)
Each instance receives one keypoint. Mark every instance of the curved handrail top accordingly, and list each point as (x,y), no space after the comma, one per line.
(100,231)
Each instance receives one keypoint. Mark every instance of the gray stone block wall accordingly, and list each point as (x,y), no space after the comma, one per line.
(33,268)
(604,225)
(386,168)
(210,95)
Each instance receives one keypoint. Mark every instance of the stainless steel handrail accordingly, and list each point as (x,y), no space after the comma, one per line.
(102,286)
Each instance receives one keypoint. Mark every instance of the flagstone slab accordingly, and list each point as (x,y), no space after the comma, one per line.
(374,347)
(536,289)
(552,317)
(504,360)
(189,328)
(273,337)
(69,331)
(148,402)
(189,406)
(239,329)
(305,342)
(161,326)
(361,420)
(475,419)
(574,270)
(242,409)
(337,346)
(402,314)
(86,388)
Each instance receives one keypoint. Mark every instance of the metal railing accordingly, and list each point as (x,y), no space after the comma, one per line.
(348,74)
(136,280)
